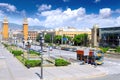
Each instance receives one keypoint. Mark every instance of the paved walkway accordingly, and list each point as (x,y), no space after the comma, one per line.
(12,69)
(71,72)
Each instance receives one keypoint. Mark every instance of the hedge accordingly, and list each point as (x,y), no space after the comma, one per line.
(34,52)
(61,62)
(105,49)
(32,63)
(118,49)
(17,52)
(5,45)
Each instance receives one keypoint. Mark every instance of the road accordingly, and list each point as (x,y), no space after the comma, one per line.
(111,66)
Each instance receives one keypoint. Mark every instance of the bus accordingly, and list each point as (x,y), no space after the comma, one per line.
(94,56)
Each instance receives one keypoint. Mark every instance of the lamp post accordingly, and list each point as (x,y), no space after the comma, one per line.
(23,47)
(15,42)
(14,38)
(28,47)
(62,37)
(41,45)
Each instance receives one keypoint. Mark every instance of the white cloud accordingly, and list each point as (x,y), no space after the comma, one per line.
(33,21)
(1,13)
(57,18)
(44,7)
(117,21)
(81,11)
(52,12)
(8,7)
(105,12)
(78,18)
(96,1)
(75,18)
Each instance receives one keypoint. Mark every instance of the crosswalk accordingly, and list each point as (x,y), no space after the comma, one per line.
(110,67)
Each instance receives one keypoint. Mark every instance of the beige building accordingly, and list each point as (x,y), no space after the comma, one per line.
(33,35)
(71,32)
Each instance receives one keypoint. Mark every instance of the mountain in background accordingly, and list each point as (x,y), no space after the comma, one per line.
(14,26)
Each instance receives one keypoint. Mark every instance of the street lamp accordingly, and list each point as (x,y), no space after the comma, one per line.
(28,47)
(14,38)
(62,37)
(41,45)
(15,41)
(23,47)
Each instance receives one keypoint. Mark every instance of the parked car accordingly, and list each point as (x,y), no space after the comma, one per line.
(44,50)
(50,48)
(74,49)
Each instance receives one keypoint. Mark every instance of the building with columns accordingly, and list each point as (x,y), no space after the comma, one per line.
(69,31)
(5,34)
(25,29)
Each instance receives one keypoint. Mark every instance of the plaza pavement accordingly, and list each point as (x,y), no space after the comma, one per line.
(71,72)
(12,69)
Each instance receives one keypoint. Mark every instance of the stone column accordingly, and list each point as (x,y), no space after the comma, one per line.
(94,36)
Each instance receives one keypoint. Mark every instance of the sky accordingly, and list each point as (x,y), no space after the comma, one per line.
(81,14)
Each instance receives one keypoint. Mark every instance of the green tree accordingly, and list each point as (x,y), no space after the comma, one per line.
(85,39)
(67,37)
(57,39)
(38,38)
(77,39)
(48,38)
(81,39)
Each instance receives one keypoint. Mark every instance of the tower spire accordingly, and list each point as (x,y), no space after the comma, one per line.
(5,20)
(25,21)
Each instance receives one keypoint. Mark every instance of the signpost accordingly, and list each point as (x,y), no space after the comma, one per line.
(86,53)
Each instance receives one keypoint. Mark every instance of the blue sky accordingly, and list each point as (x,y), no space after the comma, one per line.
(62,13)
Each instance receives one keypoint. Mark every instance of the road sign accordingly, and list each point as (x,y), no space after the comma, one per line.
(65,39)
(86,51)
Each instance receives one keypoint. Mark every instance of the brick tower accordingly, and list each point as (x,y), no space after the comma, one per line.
(25,29)
(5,29)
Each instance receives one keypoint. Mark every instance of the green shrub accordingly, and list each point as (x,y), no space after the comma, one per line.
(21,59)
(10,49)
(50,44)
(17,52)
(34,52)
(32,63)
(5,45)
(118,49)
(61,62)
(105,49)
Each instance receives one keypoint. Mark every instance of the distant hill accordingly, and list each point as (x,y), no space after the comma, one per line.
(14,26)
